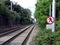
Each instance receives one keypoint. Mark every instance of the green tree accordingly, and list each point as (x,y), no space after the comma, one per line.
(42,11)
(46,37)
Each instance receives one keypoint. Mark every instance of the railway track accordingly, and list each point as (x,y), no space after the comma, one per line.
(11,30)
(18,37)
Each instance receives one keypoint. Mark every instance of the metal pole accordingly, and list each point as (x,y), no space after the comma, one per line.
(11,5)
(50,10)
(53,13)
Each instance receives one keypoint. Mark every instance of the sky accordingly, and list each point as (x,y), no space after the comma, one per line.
(30,4)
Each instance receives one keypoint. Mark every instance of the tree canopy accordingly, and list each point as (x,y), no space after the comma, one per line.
(18,15)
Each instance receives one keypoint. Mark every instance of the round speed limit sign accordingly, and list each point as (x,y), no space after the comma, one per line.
(50,20)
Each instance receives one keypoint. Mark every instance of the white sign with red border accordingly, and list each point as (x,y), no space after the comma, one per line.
(50,20)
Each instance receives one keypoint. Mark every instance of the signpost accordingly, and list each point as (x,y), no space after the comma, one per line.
(53,13)
(51,19)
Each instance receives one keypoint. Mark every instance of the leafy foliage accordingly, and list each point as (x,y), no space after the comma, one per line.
(19,15)
(46,37)
(42,11)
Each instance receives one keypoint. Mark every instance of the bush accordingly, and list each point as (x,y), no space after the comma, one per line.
(46,37)
(58,25)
